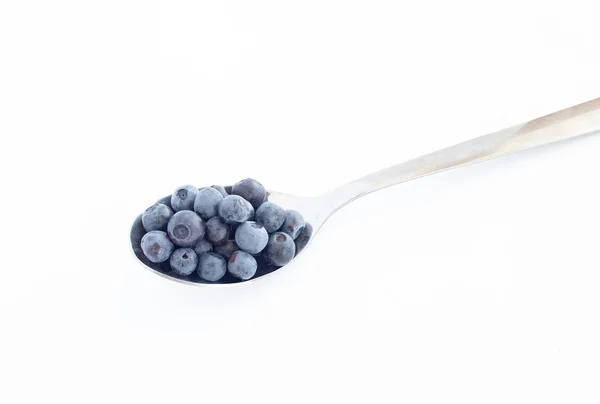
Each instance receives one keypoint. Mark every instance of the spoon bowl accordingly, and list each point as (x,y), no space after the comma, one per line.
(577,121)
(309,207)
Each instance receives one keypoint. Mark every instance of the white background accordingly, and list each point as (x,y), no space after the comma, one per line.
(479,285)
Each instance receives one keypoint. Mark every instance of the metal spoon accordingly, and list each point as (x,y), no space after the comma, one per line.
(583,119)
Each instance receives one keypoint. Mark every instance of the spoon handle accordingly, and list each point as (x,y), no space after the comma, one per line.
(562,125)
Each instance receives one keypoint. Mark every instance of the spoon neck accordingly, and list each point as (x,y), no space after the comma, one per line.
(569,123)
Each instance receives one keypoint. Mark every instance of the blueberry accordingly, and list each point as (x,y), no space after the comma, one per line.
(183,261)
(220,189)
(293,223)
(251,190)
(156,217)
(270,215)
(280,249)
(183,198)
(156,246)
(227,248)
(242,265)
(228,189)
(303,238)
(207,202)
(202,247)
(217,230)
(211,267)
(251,237)
(235,209)
(185,228)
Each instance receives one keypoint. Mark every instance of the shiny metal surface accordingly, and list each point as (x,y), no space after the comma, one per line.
(580,120)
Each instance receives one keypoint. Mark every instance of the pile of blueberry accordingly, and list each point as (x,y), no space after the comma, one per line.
(218,234)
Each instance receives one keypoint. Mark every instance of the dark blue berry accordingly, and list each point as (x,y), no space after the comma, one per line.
(217,230)
(270,215)
(202,247)
(264,267)
(156,217)
(156,246)
(251,237)
(183,261)
(183,198)
(221,190)
(185,228)
(228,189)
(251,190)
(242,265)
(235,209)
(207,203)
(280,249)
(302,240)
(211,267)
(226,248)
(292,224)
